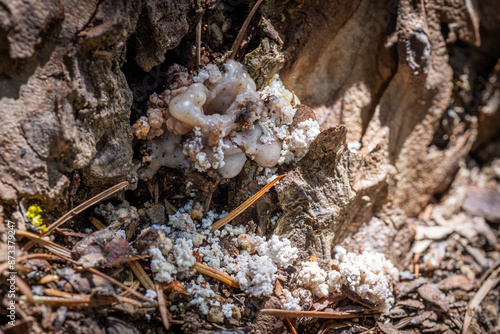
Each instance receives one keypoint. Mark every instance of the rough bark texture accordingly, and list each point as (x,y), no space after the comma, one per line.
(394,72)
(324,199)
(65,103)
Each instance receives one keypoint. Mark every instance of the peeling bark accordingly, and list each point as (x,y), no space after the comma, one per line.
(390,72)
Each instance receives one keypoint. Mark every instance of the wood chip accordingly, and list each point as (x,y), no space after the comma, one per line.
(351,309)
(323,303)
(432,294)
(411,303)
(483,201)
(387,328)
(427,315)
(477,254)
(403,289)
(457,282)
(217,274)
(278,290)
(355,297)
(398,312)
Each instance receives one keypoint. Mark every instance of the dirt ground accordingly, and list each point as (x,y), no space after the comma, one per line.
(424,189)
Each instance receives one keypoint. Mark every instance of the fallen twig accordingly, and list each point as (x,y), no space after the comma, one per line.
(233,214)
(403,322)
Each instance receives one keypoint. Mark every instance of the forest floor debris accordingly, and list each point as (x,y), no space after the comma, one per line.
(449,283)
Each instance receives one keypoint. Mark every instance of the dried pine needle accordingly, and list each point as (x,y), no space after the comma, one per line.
(48,278)
(97,223)
(134,287)
(135,257)
(49,245)
(483,291)
(121,285)
(243,29)
(217,274)
(61,298)
(289,325)
(60,301)
(63,294)
(141,275)
(80,208)
(25,289)
(233,214)
(165,315)
(85,205)
(312,314)
(5,265)
(198,45)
